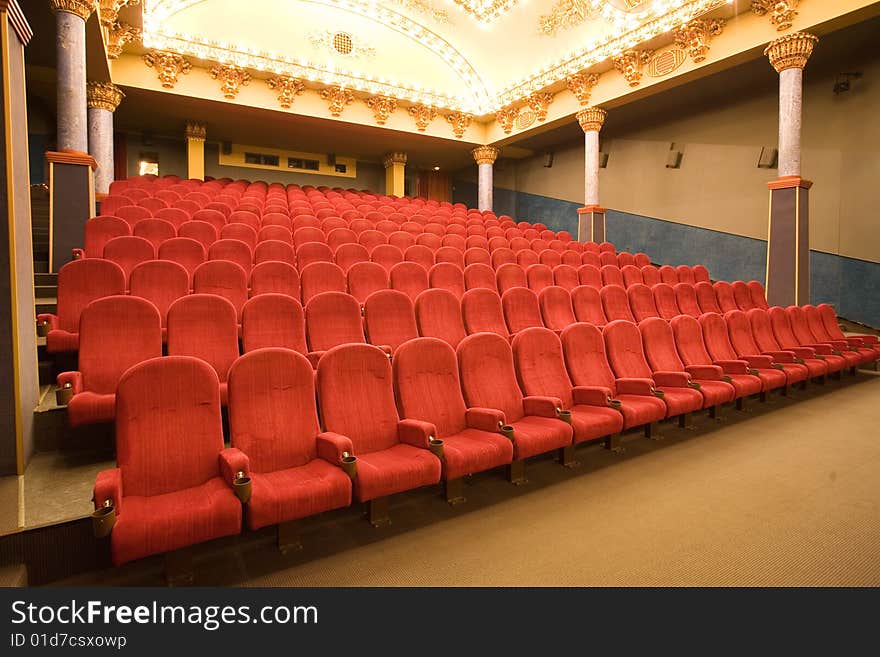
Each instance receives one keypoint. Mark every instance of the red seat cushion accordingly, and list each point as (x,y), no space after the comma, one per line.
(536,435)
(681,400)
(91,408)
(641,409)
(393,470)
(746,384)
(161,523)
(472,450)
(716,392)
(297,492)
(589,422)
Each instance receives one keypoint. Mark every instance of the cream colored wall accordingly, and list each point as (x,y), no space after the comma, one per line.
(719,185)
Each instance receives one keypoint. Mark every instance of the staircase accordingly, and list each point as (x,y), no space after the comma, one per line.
(45,283)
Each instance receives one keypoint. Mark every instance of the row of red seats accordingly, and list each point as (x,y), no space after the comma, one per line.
(380,428)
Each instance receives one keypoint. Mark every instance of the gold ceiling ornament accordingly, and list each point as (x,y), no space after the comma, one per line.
(565,14)
(196,131)
(540,103)
(422,115)
(791,51)
(390,159)
(459,122)
(168,66)
(581,85)
(629,64)
(695,36)
(591,118)
(506,118)
(782,12)
(338,42)
(486,154)
(103,95)
(82,8)
(382,106)
(486,11)
(425,7)
(232,79)
(118,35)
(288,89)
(337,99)
(108,10)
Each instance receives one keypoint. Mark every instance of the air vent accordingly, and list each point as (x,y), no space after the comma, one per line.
(342,43)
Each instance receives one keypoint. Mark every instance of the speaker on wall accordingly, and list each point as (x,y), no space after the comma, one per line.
(767,158)
(331,159)
(603,160)
(673,157)
(548,159)
(227,147)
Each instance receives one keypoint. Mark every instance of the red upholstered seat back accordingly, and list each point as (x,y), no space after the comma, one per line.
(611,275)
(319,277)
(659,345)
(201,231)
(477,255)
(509,276)
(115,333)
(224,279)
(689,340)
(587,305)
(668,275)
(664,298)
(272,414)
(632,275)
(161,282)
(100,230)
(556,309)
(451,255)
(133,214)
(756,291)
(488,378)
(781,325)
(427,383)
(273,320)
(685,274)
(339,236)
(479,275)
(538,277)
(651,275)
(740,332)
(204,326)
(402,240)
(590,275)
(333,318)
(615,303)
(706,297)
(716,337)
(701,274)
(447,276)
(503,256)
(240,232)
(312,252)
(724,295)
(82,281)
(386,255)
(566,277)
(232,251)
(829,319)
(274,276)
(641,302)
(349,254)
(686,299)
(128,252)
(623,346)
(168,426)
(275,233)
(421,255)
(410,278)
(356,396)
(521,309)
(762,330)
(481,311)
(799,325)
(584,350)
(438,315)
(174,216)
(742,295)
(540,366)
(364,278)
(186,252)
(817,326)
(276,250)
(389,318)
(155,231)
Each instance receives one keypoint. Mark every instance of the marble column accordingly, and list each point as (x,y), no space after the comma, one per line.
(591,217)
(788,245)
(70,49)
(195,150)
(485,157)
(395,168)
(103,99)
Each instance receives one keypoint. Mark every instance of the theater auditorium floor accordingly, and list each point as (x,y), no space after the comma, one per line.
(786,495)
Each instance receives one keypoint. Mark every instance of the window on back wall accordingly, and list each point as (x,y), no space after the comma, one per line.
(148,164)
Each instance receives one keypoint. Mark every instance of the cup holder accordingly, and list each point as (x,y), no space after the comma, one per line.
(694,385)
(42,328)
(658,393)
(103,519)
(507,430)
(436,447)
(348,463)
(64,394)
(615,404)
(241,485)
(563,415)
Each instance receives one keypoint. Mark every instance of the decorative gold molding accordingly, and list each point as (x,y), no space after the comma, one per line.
(540,103)
(486,154)
(791,51)
(82,8)
(565,14)
(195,131)
(422,115)
(168,66)
(782,12)
(581,85)
(695,36)
(591,118)
(390,159)
(118,35)
(108,10)
(232,79)
(337,99)
(486,11)
(382,106)
(103,95)
(629,64)
(459,122)
(288,89)
(506,117)
(425,7)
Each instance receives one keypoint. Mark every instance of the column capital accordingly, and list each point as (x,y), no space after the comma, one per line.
(791,51)
(103,95)
(486,154)
(195,131)
(82,8)
(393,158)
(591,118)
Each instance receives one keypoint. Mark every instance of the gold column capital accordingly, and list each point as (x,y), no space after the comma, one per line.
(591,118)
(82,8)
(394,158)
(103,95)
(486,154)
(195,131)
(791,51)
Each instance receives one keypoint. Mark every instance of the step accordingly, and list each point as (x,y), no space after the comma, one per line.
(46,291)
(41,266)
(45,279)
(47,305)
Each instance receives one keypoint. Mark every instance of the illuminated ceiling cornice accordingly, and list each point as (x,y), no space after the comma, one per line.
(486,11)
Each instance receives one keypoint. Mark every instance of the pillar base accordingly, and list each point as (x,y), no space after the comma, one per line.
(591,224)
(788,244)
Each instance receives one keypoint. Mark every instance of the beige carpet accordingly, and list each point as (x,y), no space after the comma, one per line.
(786,495)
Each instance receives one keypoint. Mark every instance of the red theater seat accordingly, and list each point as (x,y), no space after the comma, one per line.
(79,283)
(240,232)
(386,255)
(447,276)
(720,348)
(224,279)
(502,256)
(320,277)
(275,233)
(355,383)
(611,275)
(782,331)
(651,275)
(724,295)
(114,333)
(832,329)
(449,255)
(364,278)
(349,254)
(664,298)
(402,240)
(421,255)
(161,282)
(668,275)
(527,258)
(685,275)
(128,252)
(706,298)
(332,318)
(509,276)
(172,486)
(765,338)
(429,396)
(389,319)
(475,255)
(482,313)
(410,278)
(200,231)
(590,275)
(641,302)
(274,250)
(155,231)
(556,309)
(339,236)
(615,303)
(521,309)
(587,305)
(312,252)
(232,251)
(830,351)
(742,296)
(479,275)
(743,341)
(701,274)
(273,320)
(756,291)
(686,299)
(632,275)
(275,277)
(538,277)
(566,277)
(438,315)
(274,424)
(99,231)
(132,214)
